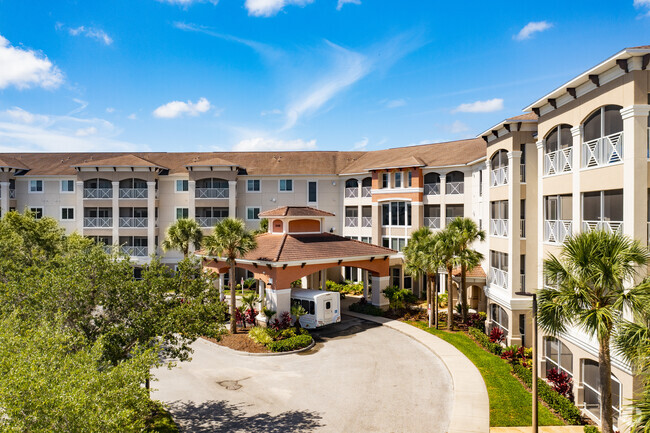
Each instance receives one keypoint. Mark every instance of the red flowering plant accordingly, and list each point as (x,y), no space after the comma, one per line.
(562,382)
(496,335)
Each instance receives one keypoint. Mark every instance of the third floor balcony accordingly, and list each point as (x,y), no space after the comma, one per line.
(211,188)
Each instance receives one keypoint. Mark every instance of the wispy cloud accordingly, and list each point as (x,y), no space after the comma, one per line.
(488,106)
(394,103)
(361,144)
(110,109)
(268,8)
(132,116)
(340,4)
(24,68)
(643,5)
(186,3)
(532,28)
(175,109)
(92,33)
(275,111)
(22,131)
(261,144)
(458,127)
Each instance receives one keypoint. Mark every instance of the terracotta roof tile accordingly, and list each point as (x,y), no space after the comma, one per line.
(476,272)
(295,211)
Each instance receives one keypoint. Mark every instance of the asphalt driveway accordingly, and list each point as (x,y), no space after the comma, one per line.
(360,377)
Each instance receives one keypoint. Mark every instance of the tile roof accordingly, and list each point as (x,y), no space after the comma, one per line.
(295,211)
(476,272)
(124,160)
(7,161)
(210,162)
(525,116)
(406,161)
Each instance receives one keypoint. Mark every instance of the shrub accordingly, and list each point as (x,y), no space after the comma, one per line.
(366,308)
(560,404)
(562,382)
(591,429)
(442,300)
(517,355)
(347,287)
(251,313)
(496,335)
(283,323)
(289,344)
(484,341)
(476,320)
(260,335)
(399,298)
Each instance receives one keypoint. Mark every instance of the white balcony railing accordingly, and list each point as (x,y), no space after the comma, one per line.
(558,162)
(499,176)
(432,222)
(211,193)
(449,220)
(556,231)
(12,193)
(352,192)
(499,227)
(98,222)
(206,222)
(603,151)
(366,191)
(499,278)
(366,221)
(351,221)
(98,192)
(134,193)
(432,189)
(455,187)
(608,226)
(522,228)
(133,222)
(135,251)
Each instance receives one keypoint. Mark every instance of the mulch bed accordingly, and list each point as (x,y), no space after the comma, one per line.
(240,341)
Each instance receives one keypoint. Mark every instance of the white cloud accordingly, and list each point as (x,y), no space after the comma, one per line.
(186,3)
(261,144)
(89,32)
(132,116)
(110,109)
(641,3)
(395,103)
(531,28)
(24,68)
(488,106)
(175,109)
(361,144)
(458,127)
(267,8)
(22,131)
(270,112)
(343,2)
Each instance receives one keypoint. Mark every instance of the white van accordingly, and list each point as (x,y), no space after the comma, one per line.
(322,307)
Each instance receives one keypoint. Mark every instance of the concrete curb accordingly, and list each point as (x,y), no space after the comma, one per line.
(471,404)
(240,353)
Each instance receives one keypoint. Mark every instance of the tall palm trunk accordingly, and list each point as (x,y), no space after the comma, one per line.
(450,301)
(605,373)
(435,298)
(233,300)
(427,285)
(462,293)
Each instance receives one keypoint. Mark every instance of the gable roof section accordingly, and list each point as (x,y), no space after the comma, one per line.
(295,211)
(124,160)
(9,162)
(211,162)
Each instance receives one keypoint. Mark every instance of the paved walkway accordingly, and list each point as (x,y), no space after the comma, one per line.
(471,404)
(548,429)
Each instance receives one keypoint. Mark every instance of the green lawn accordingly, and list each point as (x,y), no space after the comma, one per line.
(238,292)
(510,402)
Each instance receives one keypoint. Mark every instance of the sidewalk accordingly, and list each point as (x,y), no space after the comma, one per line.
(471,407)
(547,429)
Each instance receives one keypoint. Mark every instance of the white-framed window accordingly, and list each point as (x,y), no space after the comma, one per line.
(253,185)
(35,185)
(67,185)
(37,211)
(395,243)
(398,179)
(385,180)
(409,179)
(312,192)
(557,356)
(67,214)
(253,213)
(286,185)
(182,213)
(591,384)
(182,185)
(499,318)
(396,213)
(366,239)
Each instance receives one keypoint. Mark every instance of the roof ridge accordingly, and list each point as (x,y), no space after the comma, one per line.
(284,239)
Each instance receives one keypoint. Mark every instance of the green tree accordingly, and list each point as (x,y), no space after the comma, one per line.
(264,226)
(231,240)
(447,246)
(183,234)
(589,277)
(298,311)
(467,232)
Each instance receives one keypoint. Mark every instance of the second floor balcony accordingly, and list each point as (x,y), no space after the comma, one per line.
(12,193)
(499,278)
(603,151)
(432,188)
(99,193)
(366,221)
(454,188)
(499,176)
(134,222)
(134,251)
(558,162)
(432,222)
(608,226)
(98,222)
(499,227)
(556,231)
(211,193)
(205,221)
(134,193)
(351,221)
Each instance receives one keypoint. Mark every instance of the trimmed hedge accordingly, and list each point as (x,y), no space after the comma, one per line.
(484,341)
(289,344)
(591,429)
(369,309)
(560,404)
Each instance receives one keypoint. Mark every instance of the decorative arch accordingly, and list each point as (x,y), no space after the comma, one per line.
(602,122)
(352,183)
(431,178)
(212,183)
(499,159)
(558,138)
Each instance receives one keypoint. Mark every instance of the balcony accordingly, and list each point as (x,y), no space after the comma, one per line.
(211,193)
(101,193)
(556,231)
(135,251)
(499,176)
(432,189)
(499,227)
(558,162)
(366,221)
(522,228)
(134,193)
(210,222)
(352,192)
(603,151)
(608,226)
(12,193)
(450,219)
(498,278)
(98,222)
(432,222)
(351,221)
(455,187)
(134,222)
(366,191)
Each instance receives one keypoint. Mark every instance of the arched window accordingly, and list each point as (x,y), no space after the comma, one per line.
(558,151)
(351,188)
(499,163)
(98,188)
(454,181)
(499,159)
(557,356)
(558,138)
(366,187)
(603,122)
(133,188)
(499,318)
(351,183)
(211,188)
(431,184)
(603,137)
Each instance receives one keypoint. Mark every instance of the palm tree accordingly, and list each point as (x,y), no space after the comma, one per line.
(231,240)
(180,235)
(468,233)
(447,247)
(589,294)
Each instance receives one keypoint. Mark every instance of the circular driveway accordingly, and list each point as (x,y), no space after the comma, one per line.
(360,377)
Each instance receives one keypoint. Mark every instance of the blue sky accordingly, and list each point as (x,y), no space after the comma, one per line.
(192,75)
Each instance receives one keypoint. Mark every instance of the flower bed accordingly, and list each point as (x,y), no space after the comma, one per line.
(280,336)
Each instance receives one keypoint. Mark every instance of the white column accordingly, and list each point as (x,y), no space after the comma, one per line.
(635,172)
(79,211)
(116,212)
(514,215)
(191,200)
(4,198)
(378,285)
(151,218)
(279,300)
(232,198)
(540,213)
(443,200)
(486,201)
(576,164)
(364,276)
